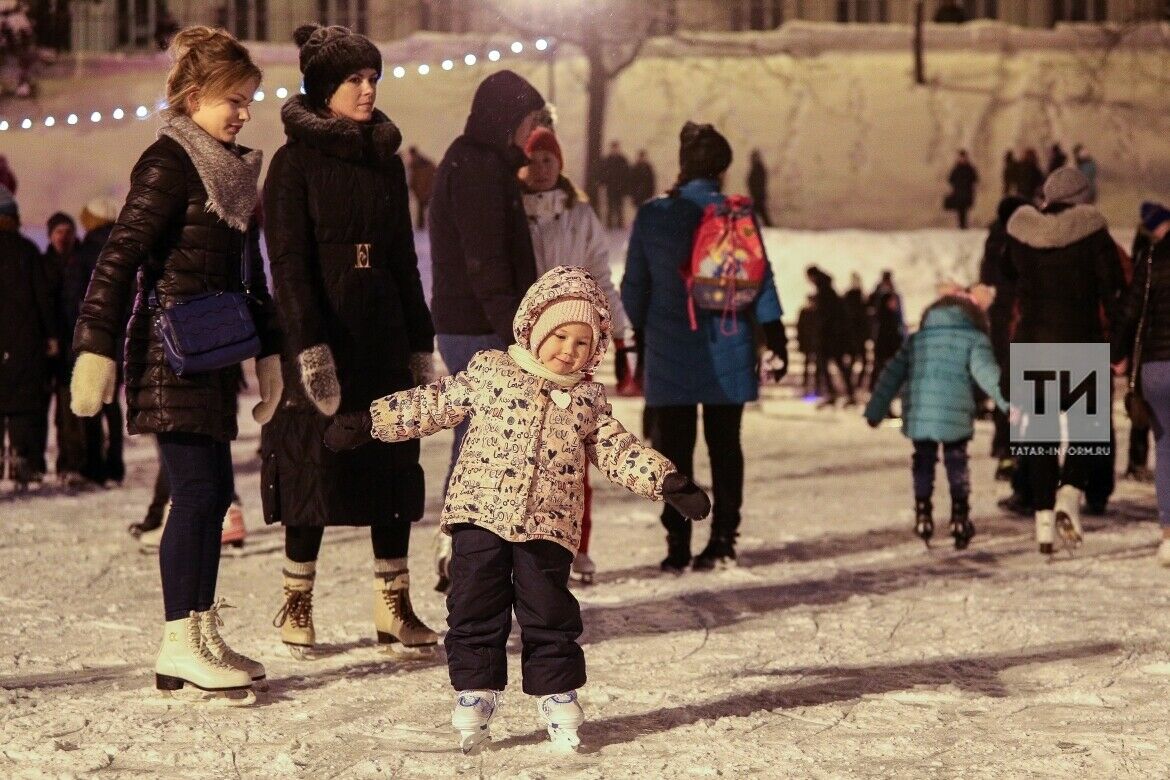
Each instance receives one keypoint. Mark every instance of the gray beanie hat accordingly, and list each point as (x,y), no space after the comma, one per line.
(1067,185)
(329,55)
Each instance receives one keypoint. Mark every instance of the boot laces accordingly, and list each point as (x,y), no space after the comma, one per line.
(196,638)
(212,637)
(398,601)
(297,607)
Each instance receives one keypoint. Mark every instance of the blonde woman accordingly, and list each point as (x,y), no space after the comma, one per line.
(186,228)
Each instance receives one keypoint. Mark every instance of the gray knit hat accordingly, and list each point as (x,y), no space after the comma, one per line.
(1067,185)
(329,55)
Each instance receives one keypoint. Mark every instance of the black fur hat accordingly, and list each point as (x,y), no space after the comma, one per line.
(329,55)
(703,153)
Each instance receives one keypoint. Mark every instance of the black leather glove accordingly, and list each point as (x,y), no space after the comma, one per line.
(349,431)
(776,340)
(685,496)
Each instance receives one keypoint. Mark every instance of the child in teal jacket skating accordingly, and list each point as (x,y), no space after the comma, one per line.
(934,371)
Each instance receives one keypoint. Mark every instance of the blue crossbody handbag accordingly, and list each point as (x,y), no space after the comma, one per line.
(208,331)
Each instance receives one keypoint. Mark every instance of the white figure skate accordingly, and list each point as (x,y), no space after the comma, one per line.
(1068,517)
(472,717)
(563,714)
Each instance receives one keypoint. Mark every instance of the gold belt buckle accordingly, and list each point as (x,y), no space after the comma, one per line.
(363,256)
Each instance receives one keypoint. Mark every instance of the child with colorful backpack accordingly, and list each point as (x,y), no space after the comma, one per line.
(515,500)
(934,370)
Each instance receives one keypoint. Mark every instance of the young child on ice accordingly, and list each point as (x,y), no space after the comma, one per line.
(515,500)
(937,365)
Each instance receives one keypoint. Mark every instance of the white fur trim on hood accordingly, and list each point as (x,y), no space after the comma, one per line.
(1053,231)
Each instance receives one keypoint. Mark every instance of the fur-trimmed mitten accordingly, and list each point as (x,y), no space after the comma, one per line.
(319,378)
(685,496)
(422,367)
(92,384)
(271,388)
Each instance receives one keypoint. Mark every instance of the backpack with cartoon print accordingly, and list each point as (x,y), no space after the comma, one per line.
(728,261)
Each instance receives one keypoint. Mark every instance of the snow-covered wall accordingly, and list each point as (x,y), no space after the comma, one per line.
(850,141)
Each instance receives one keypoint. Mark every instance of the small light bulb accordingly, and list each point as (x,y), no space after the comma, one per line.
(282,93)
(494,55)
(96,116)
(71,119)
(50,121)
(118,113)
(3,126)
(141,112)
(517,47)
(447,64)
(424,69)
(469,59)
(259,96)
(541,44)
(399,72)
(26,124)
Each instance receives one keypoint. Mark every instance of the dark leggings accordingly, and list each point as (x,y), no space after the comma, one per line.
(302,543)
(674,436)
(199,469)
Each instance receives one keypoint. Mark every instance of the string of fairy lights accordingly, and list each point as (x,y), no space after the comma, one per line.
(119,113)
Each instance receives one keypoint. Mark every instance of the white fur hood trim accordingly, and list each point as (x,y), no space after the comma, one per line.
(1053,231)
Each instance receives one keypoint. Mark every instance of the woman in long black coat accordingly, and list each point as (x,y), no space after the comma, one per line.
(356,328)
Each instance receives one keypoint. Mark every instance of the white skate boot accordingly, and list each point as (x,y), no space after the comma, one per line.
(472,716)
(183,660)
(209,623)
(398,629)
(1068,516)
(563,714)
(584,568)
(1045,529)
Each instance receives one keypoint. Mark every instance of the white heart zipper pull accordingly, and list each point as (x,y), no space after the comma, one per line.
(561,398)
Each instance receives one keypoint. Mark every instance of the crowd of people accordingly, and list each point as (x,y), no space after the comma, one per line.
(523,312)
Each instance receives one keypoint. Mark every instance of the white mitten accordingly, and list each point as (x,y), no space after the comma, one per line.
(271,387)
(92,384)
(422,367)
(319,378)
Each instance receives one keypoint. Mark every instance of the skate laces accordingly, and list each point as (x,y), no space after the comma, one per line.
(298,607)
(196,639)
(398,601)
(212,637)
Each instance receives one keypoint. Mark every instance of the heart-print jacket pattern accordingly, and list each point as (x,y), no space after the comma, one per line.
(521,470)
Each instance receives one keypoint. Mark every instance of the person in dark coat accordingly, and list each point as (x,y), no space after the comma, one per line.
(1068,282)
(643,182)
(712,365)
(962,178)
(187,229)
(1152,270)
(889,324)
(1056,158)
(806,342)
(1029,176)
(856,329)
(615,177)
(999,316)
(1137,466)
(757,184)
(356,327)
(950,12)
(28,341)
(482,260)
(832,337)
(68,280)
(103,432)
(1011,174)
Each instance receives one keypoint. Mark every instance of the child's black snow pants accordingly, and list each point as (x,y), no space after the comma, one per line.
(489,578)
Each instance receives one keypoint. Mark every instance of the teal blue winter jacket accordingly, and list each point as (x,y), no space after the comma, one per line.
(937,365)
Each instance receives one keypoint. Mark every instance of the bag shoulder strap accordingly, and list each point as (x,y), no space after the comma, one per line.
(1137,344)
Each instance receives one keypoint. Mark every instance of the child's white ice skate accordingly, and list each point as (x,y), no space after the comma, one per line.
(563,714)
(471,717)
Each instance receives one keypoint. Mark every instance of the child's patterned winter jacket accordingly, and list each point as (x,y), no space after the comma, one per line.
(520,472)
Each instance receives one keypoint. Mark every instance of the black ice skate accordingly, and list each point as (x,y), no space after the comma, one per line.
(678,554)
(923,519)
(962,529)
(718,554)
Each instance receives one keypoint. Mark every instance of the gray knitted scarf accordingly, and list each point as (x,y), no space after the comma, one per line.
(229,178)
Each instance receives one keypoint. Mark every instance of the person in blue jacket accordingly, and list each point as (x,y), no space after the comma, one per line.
(712,366)
(934,370)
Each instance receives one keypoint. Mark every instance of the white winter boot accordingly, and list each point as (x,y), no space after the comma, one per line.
(182,660)
(1045,529)
(1068,516)
(472,716)
(209,623)
(563,715)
